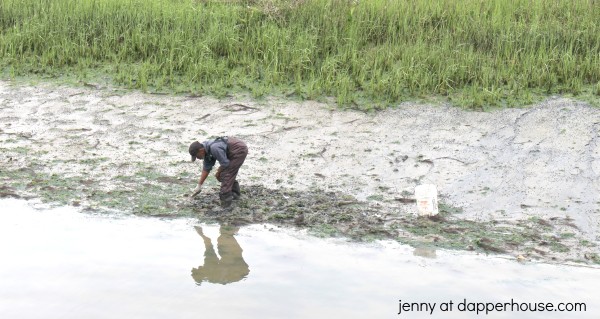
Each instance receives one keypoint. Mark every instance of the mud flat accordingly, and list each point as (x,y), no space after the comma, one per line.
(523,182)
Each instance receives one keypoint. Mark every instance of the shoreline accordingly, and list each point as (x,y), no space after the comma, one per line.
(520,182)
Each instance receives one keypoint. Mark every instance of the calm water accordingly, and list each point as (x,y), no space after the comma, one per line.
(60,263)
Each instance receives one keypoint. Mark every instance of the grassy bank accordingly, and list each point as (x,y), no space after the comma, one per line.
(365,53)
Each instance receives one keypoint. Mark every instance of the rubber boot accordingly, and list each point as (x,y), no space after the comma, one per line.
(236,191)
(226,200)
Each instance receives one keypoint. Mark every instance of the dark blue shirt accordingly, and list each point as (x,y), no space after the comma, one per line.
(216,150)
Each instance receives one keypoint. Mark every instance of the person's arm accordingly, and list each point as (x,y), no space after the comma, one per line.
(220,154)
(198,188)
(203,177)
(218,173)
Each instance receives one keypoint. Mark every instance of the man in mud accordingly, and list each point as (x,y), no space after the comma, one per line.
(230,152)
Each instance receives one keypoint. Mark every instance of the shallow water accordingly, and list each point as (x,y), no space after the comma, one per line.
(60,263)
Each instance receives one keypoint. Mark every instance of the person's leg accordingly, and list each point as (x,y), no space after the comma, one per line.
(229,186)
(211,261)
(236,190)
(227,181)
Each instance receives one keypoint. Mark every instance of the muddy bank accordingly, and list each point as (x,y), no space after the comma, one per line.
(520,181)
(335,214)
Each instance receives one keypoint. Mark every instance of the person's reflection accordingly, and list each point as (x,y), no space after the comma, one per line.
(230,268)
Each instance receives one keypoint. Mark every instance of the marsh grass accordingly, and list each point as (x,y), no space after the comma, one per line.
(364,53)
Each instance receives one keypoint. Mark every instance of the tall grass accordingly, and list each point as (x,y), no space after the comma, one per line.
(475,52)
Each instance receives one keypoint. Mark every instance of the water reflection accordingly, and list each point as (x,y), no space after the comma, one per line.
(137,267)
(231,267)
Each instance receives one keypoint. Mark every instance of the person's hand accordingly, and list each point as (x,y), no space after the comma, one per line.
(196,191)
(218,175)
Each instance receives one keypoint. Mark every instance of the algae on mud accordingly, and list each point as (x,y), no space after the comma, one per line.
(100,149)
(132,194)
(335,214)
(324,213)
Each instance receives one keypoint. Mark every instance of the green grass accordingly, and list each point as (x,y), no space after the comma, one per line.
(366,54)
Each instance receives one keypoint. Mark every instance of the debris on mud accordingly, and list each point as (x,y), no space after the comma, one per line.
(515,183)
(6,191)
(258,204)
(335,214)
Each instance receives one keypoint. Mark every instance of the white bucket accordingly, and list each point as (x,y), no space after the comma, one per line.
(427,201)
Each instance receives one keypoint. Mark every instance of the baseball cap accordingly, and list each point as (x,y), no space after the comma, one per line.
(194,148)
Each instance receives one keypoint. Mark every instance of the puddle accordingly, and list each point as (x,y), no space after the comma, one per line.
(60,263)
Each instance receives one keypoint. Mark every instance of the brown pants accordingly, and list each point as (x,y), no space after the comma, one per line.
(237,152)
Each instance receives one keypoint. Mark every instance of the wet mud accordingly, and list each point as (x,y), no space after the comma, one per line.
(335,214)
(521,182)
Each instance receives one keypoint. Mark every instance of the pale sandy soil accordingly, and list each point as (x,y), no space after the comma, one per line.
(541,161)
